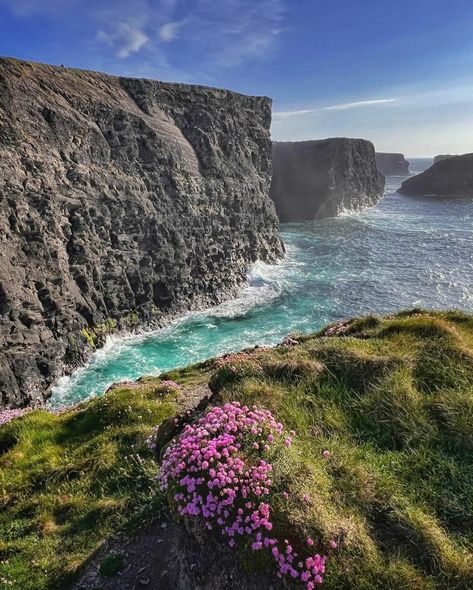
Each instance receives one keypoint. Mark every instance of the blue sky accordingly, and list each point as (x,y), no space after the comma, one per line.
(398,73)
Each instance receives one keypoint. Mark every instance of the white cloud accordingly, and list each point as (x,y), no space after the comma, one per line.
(126,39)
(358,104)
(218,33)
(282,115)
(170,31)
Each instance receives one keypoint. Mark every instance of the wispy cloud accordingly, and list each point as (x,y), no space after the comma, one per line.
(170,31)
(235,31)
(125,39)
(282,115)
(358,104)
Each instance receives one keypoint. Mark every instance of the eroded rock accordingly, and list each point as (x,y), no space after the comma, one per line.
(120,198)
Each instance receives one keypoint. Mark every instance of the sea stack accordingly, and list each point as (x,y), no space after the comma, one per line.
(451,177)
(392,164)
(123,202)
(317,179)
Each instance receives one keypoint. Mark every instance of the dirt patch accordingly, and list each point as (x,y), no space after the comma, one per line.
(167,556)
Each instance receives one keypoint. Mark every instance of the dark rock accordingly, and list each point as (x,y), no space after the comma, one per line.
(315,179)
(392,164)
(451,177)
(120,198)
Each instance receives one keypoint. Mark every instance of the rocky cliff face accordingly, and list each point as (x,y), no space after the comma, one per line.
(315,179)
(392,164)
(122,202)
(450,177)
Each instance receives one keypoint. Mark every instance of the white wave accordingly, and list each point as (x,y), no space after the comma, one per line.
(265,282)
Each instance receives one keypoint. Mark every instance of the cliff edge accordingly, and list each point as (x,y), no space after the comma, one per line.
(123,201)
(316,179)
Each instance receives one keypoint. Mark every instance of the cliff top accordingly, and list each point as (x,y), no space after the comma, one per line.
(327,139)
(380,464)
(25,66)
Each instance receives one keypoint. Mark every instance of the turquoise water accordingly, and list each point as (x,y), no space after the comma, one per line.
(404,252)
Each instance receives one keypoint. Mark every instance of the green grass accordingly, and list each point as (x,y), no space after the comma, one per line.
(391,398)
(67,482)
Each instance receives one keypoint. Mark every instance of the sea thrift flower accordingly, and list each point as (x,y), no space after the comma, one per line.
(218,471)
(333,544)
(8,415)
(326,454)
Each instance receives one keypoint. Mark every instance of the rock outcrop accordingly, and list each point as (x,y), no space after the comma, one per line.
(316,179)
(441,157)
(392,164)
(451,177)
(123,202)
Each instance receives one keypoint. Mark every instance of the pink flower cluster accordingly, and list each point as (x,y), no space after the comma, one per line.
(7,415)
(229,359)
(337,329)
(216,471)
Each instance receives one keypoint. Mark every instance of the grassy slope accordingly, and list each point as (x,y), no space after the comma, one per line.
(392,399)
(67,482)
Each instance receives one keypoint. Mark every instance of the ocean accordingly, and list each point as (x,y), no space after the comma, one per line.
(404,252)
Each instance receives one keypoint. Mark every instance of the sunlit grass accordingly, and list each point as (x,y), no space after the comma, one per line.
(391,399)
(67,482)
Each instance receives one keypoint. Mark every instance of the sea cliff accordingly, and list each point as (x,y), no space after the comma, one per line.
(123,201)
(316,179)
(392,164)
(448,177)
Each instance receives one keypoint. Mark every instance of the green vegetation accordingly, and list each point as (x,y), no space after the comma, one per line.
(391,399)
(69,481)
(97,334)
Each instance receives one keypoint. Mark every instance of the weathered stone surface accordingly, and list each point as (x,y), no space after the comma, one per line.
(120,198)
(451,177)
(392,164)
(315,179)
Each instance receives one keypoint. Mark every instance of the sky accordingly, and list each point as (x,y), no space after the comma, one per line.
(398,73)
